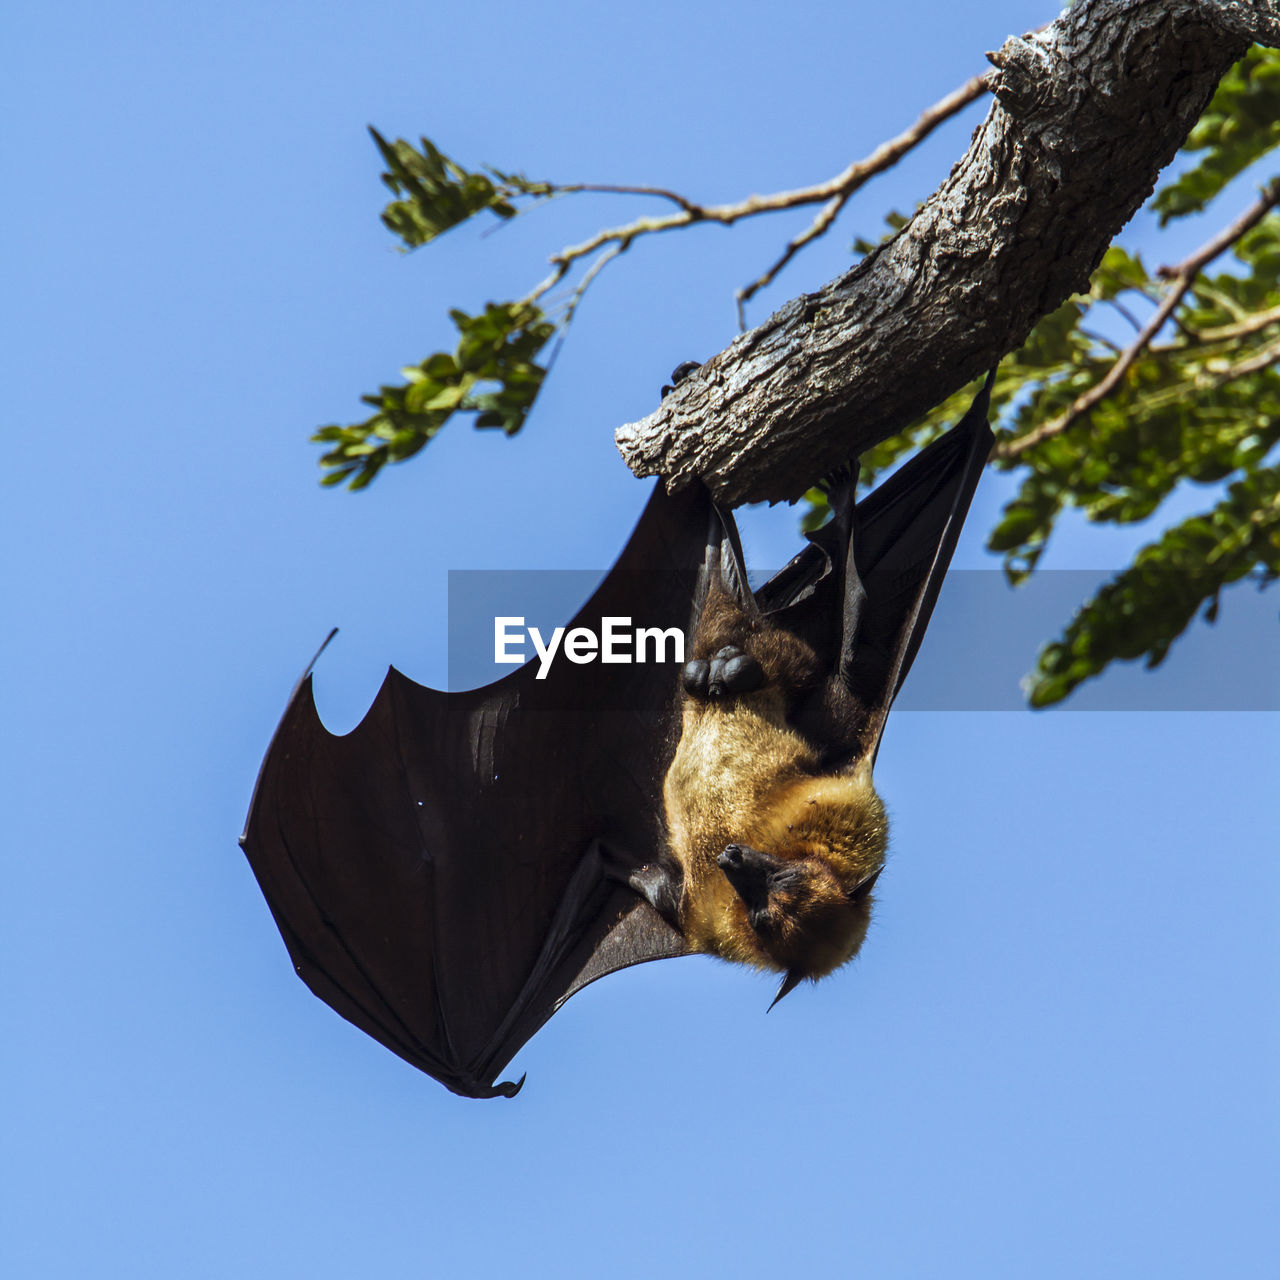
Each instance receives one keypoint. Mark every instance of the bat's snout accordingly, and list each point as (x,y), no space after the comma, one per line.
(748,870)
(731,857)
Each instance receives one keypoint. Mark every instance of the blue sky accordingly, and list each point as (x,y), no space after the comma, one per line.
(1057,1054)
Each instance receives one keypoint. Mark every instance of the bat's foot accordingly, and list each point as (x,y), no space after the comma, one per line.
(726,674)
(679,374)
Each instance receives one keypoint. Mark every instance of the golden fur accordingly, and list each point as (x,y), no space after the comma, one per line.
(742,775)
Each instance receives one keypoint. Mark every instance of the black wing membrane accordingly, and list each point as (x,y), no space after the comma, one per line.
(451,871)
(863,591)
(905,533)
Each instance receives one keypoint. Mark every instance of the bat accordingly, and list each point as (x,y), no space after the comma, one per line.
(451,871)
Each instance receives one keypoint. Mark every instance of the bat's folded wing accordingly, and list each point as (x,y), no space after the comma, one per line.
(863,591)
(904,535)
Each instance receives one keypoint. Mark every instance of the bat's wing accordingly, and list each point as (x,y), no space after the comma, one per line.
(905,533)
(451,871)
(863,591)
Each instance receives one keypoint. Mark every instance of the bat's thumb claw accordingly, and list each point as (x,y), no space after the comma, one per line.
(509,1088)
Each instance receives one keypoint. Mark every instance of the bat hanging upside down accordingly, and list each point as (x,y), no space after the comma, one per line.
(772,858)
(450,872)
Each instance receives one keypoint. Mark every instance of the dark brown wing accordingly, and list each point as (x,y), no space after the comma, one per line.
(451,871)
(863,591)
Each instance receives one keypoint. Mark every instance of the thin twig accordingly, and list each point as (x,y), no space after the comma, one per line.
(594,270)
(1182,277)
(607,188)
(1156,401)
(843,186)
(833,192)
(536,202)
(576,297)
(1254,364)
(1268,197)
(1126,313)
(1229,332)
(1100,340)
(1223,300)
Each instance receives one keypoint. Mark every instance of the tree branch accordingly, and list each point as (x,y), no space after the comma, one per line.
(1087,113)
(1183,277)
(842,187)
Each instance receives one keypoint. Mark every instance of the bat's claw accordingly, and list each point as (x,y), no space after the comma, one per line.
(659,884)
(509,1088)
(679,374)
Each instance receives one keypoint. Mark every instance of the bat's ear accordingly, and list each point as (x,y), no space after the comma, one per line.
(789,984)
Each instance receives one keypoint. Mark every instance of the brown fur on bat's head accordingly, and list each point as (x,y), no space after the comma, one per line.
(808,902)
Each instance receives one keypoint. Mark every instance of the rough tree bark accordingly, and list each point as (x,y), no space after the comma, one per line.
(1086,114)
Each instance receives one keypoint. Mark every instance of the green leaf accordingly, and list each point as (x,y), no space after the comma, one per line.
(497,347)
(439,193)
(1147,606)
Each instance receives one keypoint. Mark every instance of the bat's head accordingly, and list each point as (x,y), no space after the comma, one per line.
(806,888)
(806,916)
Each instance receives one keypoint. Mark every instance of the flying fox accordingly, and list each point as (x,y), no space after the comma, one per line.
(450,872)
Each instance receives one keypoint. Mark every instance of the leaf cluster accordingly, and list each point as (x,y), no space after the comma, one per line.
(1202,409)
(493,373)
(1199,405)
(1144,608)
(439,193)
